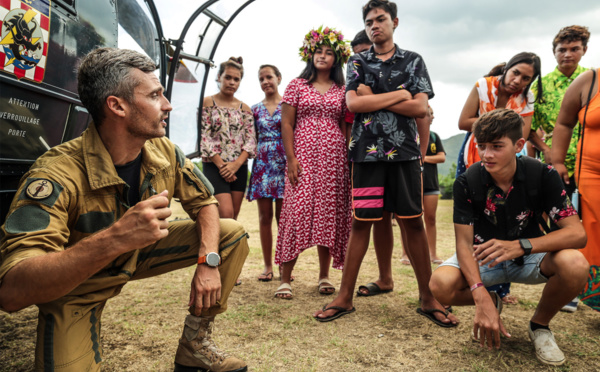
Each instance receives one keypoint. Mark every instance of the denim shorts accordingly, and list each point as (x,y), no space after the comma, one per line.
(509,271)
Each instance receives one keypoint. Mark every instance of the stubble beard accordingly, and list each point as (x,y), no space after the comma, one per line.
(139,126)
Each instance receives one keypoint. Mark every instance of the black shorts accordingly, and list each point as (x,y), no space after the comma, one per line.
(395,187)
(221,186)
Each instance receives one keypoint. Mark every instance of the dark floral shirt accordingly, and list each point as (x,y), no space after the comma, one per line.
(507,216)
(383,135)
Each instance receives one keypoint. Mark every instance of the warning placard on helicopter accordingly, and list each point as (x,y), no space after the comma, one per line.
(25,30)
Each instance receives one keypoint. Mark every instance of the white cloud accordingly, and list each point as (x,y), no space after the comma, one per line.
(460,40)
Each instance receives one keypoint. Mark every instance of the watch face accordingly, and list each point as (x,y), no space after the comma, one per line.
(212,259)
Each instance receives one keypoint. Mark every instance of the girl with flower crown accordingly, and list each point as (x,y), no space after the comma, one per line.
(316,202)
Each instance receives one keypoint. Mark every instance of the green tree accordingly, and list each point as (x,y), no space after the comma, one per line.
(447,182)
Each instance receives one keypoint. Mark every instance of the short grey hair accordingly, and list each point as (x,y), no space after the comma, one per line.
(105,72)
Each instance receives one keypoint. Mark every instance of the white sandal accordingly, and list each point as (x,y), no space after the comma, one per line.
(324,285)
(284,289)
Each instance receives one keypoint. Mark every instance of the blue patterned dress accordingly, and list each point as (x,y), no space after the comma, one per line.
(268,168)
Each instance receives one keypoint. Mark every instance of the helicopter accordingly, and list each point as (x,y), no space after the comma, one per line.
(41,43)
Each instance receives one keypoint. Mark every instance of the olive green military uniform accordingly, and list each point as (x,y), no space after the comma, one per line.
(73,191)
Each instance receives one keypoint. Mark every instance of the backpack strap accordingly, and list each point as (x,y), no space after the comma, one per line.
(533,182)
(473,174)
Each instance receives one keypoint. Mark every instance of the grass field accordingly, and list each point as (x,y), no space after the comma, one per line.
(141,326)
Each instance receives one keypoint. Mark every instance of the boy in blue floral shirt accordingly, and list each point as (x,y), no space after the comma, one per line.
(388,88)
(498,236)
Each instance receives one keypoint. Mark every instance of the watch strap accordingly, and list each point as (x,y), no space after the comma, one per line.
(526,246)
(204,259)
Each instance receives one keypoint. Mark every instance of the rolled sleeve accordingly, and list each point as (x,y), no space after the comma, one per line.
(193,189)
(16,256)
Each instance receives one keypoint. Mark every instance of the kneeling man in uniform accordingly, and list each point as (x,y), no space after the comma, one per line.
(91,215)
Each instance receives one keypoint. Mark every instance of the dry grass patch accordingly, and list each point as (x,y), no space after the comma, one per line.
(141,326)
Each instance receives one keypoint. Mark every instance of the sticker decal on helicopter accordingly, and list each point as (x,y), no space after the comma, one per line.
(25,27)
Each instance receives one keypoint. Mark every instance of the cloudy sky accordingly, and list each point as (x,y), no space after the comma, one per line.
(460,40)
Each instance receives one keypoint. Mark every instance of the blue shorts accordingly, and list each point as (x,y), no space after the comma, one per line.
(508,271)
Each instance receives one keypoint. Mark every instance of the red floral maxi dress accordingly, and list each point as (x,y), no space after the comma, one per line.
(317,210)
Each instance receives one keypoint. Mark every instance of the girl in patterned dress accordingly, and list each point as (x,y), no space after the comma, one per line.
(268,169)
(228,139)
(316,204)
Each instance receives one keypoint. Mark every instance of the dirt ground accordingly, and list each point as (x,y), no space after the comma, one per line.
(141,326)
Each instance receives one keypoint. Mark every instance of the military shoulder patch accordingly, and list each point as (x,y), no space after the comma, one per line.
(41,190)
(27,218)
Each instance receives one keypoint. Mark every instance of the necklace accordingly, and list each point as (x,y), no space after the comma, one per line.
(380,54)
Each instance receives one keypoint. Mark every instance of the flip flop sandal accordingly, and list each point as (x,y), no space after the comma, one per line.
(372,290)
(341,312)
(499,302)
(266,277)
(325,286)
(429,314)
(284,289)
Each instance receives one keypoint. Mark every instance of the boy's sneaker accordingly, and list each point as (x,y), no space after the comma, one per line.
(571,307)
(546,349)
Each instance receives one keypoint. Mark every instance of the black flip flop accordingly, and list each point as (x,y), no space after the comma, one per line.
(339,314)
(428,313)
(267,277)
(372,290)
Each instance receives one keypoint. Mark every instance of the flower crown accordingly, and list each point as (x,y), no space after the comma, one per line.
(328,36)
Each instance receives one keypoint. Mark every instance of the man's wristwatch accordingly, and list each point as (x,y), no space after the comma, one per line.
(526,245)
(212,259)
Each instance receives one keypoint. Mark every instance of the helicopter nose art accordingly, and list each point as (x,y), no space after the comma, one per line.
(24,38)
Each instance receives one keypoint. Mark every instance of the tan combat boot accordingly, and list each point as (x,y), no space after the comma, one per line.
(197,350)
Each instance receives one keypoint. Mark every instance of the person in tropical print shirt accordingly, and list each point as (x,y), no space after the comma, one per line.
(499,239)
(387,88)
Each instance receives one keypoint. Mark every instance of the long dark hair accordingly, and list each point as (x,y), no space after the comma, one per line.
(310,72)
(527,58)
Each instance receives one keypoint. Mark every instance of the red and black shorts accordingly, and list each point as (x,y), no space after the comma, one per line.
(394,187)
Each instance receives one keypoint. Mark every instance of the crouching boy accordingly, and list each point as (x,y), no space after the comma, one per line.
(498,204)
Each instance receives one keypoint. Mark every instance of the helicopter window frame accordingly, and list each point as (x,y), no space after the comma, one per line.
(68,6)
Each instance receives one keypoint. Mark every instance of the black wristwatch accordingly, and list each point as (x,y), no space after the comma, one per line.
(526,245)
